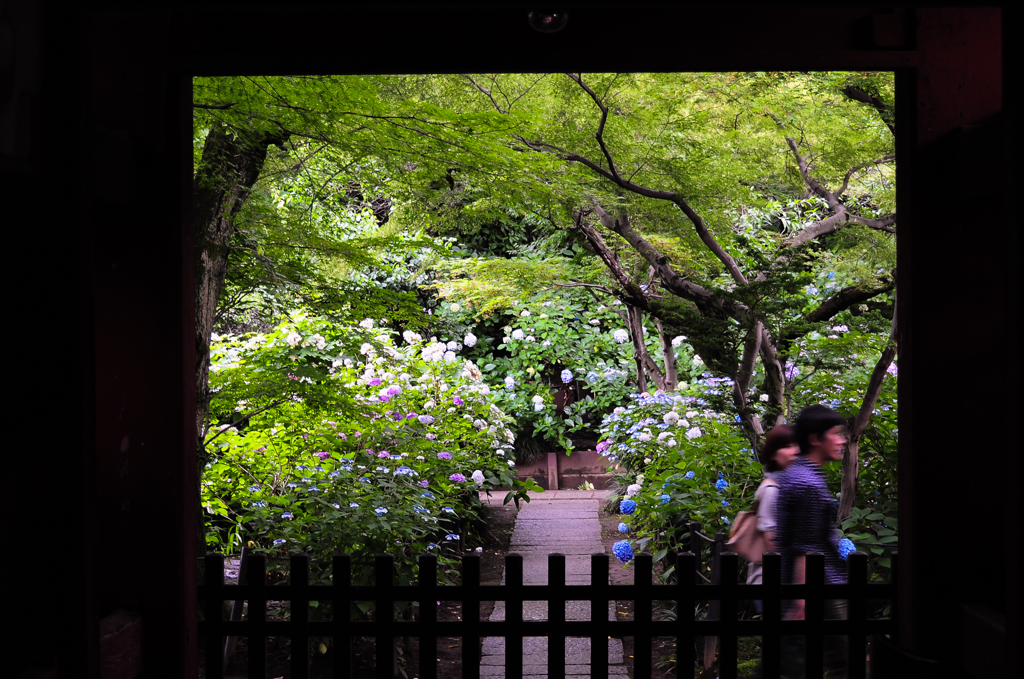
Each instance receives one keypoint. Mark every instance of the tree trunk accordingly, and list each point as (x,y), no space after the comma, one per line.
(668,353)
(230,166)
(858,423)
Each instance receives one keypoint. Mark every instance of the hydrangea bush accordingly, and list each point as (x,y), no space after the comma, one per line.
(397,470)
(681,462)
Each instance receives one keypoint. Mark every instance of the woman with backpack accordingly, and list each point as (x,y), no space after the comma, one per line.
(779,450)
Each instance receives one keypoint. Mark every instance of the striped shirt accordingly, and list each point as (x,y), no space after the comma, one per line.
(806,515)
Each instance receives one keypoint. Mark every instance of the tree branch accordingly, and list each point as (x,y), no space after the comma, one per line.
(883,109)
(840,301)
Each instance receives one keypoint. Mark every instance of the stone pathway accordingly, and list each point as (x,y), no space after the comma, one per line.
(554,522)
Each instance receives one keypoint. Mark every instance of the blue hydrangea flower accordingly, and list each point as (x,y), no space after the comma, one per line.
(566,376)
(721,484)
(405,471)
(623,551)
(665,498)
(335,474)
(429,495)
(447,510)
(451,536)
(287,515)
(727,521)
(364,479)
(353,504)
(306,479)
(260,503)
(313,489)
(280,541)
(846,548)
(431,545)
(724,503)
(420,510)
(627,506)
(301,466)
(623,528)
(689,475)
(293,485)
(254,489)
(380,511)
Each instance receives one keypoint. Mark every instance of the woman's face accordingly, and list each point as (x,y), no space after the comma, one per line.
(784,456)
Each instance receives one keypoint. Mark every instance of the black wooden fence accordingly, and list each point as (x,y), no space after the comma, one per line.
(685,592)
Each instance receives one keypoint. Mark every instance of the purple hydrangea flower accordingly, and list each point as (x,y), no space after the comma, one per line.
(444,456)
(457,477)
(425,419)
(458,401)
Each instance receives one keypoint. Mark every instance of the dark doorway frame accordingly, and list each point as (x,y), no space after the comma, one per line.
(116,81)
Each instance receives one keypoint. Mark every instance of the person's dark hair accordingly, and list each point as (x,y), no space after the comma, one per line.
(779,437)
(816,419)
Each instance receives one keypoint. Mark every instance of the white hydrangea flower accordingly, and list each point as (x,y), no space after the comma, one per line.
(478,477)
(449,356)
(595,321)
(455,308)
(690,414)
(647,460)
(366,349)
(453,346)
(366,323)
(697,360)
(644,436)
(632,489)
(469,340)
(620,335)
(293,339)
(663,435)
(678,340)
(433,351)
(671,417)
(518,334)
(764,398)
(411,337)
(510,382)
(429,405)
(531,338)
(479,424)
(671,443)
(684,424)
(693,433)
(538,399)
(526,312)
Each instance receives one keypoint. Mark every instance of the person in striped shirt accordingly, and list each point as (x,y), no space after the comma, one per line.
(806,518)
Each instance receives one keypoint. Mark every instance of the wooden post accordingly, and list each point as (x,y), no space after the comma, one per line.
(342,604)
(299,566)
(552,471)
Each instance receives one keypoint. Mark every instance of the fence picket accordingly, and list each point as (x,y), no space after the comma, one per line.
(642,614)
(514,615)
(599,613)
(685,597)
(814,613)
(728,575)
(428,599)
(384,614)
(341,602)
(771,613)
(857,611)
(258,596)
(471,617)
(299,566)
(556,614)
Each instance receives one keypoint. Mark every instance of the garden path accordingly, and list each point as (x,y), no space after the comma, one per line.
(554,522)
